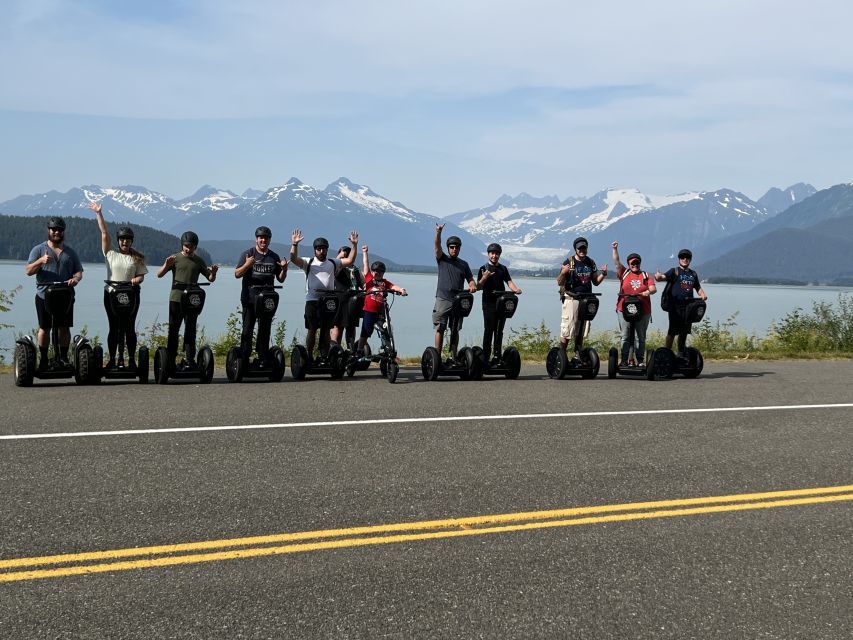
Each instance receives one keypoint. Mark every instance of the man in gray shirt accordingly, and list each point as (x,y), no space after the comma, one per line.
(453,272)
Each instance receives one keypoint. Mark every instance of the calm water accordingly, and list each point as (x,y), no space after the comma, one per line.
(756,306)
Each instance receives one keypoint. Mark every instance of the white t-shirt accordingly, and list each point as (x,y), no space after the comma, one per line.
(121,267)
(319,275)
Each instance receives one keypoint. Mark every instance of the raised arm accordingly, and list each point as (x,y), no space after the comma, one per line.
(438,250)
(295,238)
(35,266)
(353,239)
(365,261)
(105,237)
(167,266)
(283,273)
(616,261)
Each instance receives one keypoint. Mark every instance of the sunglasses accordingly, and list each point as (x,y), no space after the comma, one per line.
(634,263)
(57,230)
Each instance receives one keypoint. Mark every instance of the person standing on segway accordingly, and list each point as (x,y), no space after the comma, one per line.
(125,265)
(453,272)
(320,272)
(258,266)
(633,282)
(374,303)
(491,280)
(577,275)
(349,281)
(50,262)
(185,267)
(684,281)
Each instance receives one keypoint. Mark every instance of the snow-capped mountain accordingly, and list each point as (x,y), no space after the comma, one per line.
(550,222)
(777,200)
(387,227)
(209,198)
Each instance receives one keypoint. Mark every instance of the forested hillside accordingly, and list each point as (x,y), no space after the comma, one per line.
(18,235)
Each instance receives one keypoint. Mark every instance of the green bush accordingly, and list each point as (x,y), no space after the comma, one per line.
(824,330)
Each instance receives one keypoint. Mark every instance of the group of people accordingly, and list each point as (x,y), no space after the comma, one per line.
(362,291)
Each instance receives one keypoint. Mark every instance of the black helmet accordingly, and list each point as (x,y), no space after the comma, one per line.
(685,253)
(345,249)
(263,232)
(580,242)
(633,256)
(124,232)
(454,240)
(377,265)
(56,222)
(494,248)
(190,237)
(321,243)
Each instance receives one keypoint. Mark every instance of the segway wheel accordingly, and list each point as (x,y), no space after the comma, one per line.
(25,365)
(337,359)
(161,365)
(612,362)
(480,357)
(659,364)
(393,370)
(349,359)
(278,365)
(465,357)
(512,362)
(431,364)
(298,362)
(557,363)
(234,364)
(383,368)
(142,363)
(97,369)
(589,357)
(206,364)
(697,363)
(85,364)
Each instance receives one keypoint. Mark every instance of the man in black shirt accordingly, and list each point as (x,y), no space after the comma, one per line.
(258,266)
(491,279)
(453,272)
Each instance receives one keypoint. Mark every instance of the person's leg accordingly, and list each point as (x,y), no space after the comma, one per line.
(176,317)
(641,326)
(112,334)
(488,332)
(130,333)
(674,327)
(440,317)
(43,334)
(566,322)
(625,332)
(499,336)
(247,331)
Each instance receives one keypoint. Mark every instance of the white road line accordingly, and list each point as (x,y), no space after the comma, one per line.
(345,423)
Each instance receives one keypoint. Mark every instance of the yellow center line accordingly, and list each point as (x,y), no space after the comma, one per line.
(451,528)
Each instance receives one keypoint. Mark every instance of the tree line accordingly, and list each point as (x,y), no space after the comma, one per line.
(21,233)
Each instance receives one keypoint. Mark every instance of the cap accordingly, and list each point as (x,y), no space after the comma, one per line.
(633,256)
(189,237)
(263,232)
(124,232)
(580,242)
(494,248)
(321,243)
(56,222)
(685,253)
(454,241)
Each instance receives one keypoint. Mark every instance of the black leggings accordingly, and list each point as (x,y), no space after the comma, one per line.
(264,329)
(176,317)
(119,326)
(493,329)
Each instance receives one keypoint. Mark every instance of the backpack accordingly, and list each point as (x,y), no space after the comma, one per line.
(666,296)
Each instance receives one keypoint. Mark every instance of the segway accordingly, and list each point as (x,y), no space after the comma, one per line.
(389,368)
(192,303)
(462,363)
(663,363)
(508,364)
(586,362)
(632,310)
(123,298)
(238,366)
(332,363)
(353,302)
(58,298)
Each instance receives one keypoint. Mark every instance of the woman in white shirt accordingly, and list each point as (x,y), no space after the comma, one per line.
(127,265)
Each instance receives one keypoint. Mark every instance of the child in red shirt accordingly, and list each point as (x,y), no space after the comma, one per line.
(374,304)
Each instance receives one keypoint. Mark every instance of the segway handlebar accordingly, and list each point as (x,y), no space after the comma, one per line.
(181,285)
(264,286)
(117,282)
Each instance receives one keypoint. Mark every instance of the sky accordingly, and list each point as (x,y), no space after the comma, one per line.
(443,106)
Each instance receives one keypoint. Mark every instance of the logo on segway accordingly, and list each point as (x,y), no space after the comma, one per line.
(510,305)
(195,300)
(465,303)
(331,304)
(633,309)
(123,299)
(592,308)
(269,304)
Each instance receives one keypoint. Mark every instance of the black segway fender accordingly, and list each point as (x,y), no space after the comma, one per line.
(161,365)
(25,362)
(278,364)
(556,363)
(206,364)
(512,361)
(660,364)
(695,361)
(299,362)
(143,360)
(591,361)
(234,364)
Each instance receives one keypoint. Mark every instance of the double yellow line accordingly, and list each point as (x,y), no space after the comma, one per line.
(270,545)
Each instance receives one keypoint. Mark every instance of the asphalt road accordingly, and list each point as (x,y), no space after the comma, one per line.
(736,565)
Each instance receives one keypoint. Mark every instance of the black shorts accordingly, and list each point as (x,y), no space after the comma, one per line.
(46,320)
(349,311)
(312,315)
(678,320)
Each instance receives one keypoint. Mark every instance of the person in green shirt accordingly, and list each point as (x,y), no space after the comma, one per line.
(185,268)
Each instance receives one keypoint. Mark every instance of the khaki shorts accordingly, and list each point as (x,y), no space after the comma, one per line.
(569,319)
(441,314)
